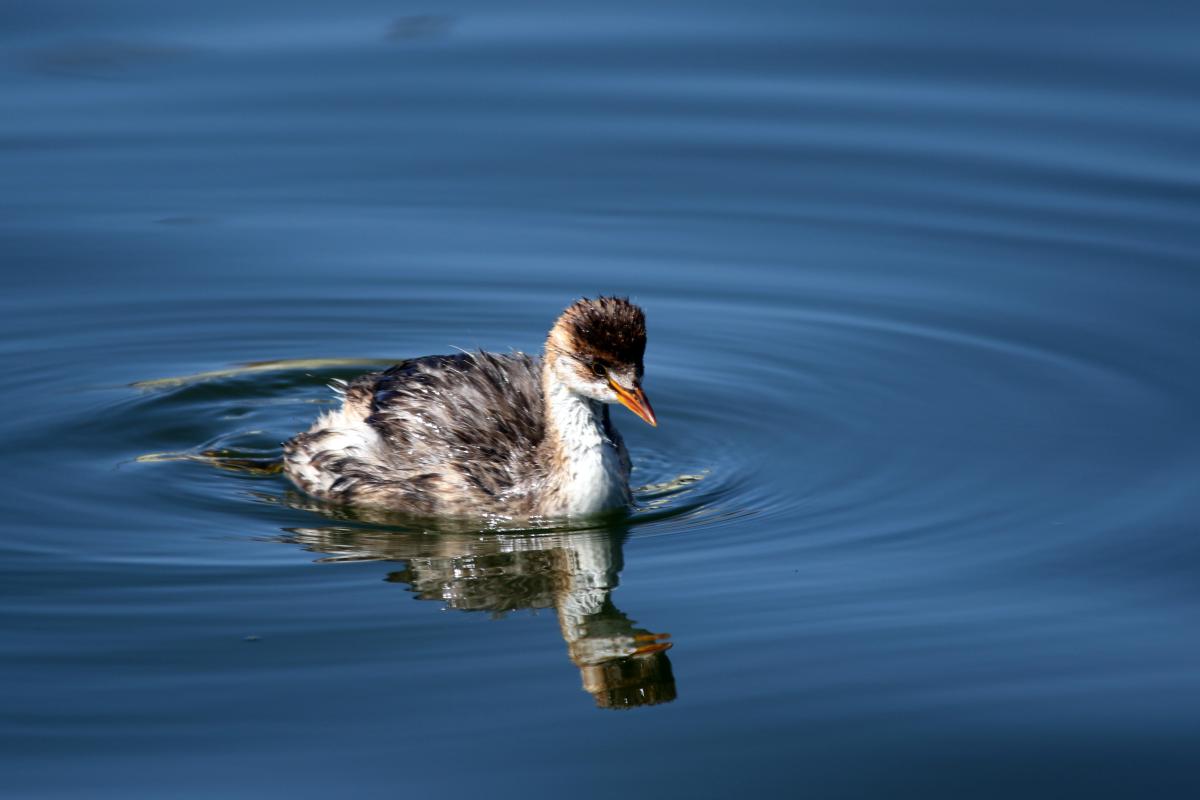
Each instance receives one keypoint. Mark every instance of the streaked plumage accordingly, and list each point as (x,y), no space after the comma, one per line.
(481,433)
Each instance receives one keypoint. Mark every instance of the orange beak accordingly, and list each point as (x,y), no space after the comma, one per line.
(635,401)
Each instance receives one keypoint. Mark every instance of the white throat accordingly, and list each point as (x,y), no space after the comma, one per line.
(592,475)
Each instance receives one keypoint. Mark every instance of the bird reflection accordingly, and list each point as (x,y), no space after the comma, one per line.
(575,573)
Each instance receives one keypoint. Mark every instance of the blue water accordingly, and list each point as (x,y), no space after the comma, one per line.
(920,518)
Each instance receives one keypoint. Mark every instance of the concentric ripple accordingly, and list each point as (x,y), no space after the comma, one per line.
(842,434)
(919,518)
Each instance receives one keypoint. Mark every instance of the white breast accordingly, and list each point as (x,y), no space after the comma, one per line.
(594,476)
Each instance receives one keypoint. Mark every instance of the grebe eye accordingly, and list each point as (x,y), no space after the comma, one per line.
(599,369)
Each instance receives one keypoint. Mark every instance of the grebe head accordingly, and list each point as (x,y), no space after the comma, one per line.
(595,349)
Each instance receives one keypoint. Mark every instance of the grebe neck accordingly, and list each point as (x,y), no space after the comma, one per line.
(585,469)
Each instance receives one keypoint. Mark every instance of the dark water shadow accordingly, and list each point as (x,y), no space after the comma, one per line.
(104,58)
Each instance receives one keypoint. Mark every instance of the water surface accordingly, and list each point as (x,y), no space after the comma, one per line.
(920,518)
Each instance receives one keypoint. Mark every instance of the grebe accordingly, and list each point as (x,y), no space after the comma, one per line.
(488,434)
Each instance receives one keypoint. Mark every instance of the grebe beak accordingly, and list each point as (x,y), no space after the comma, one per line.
(636,401)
